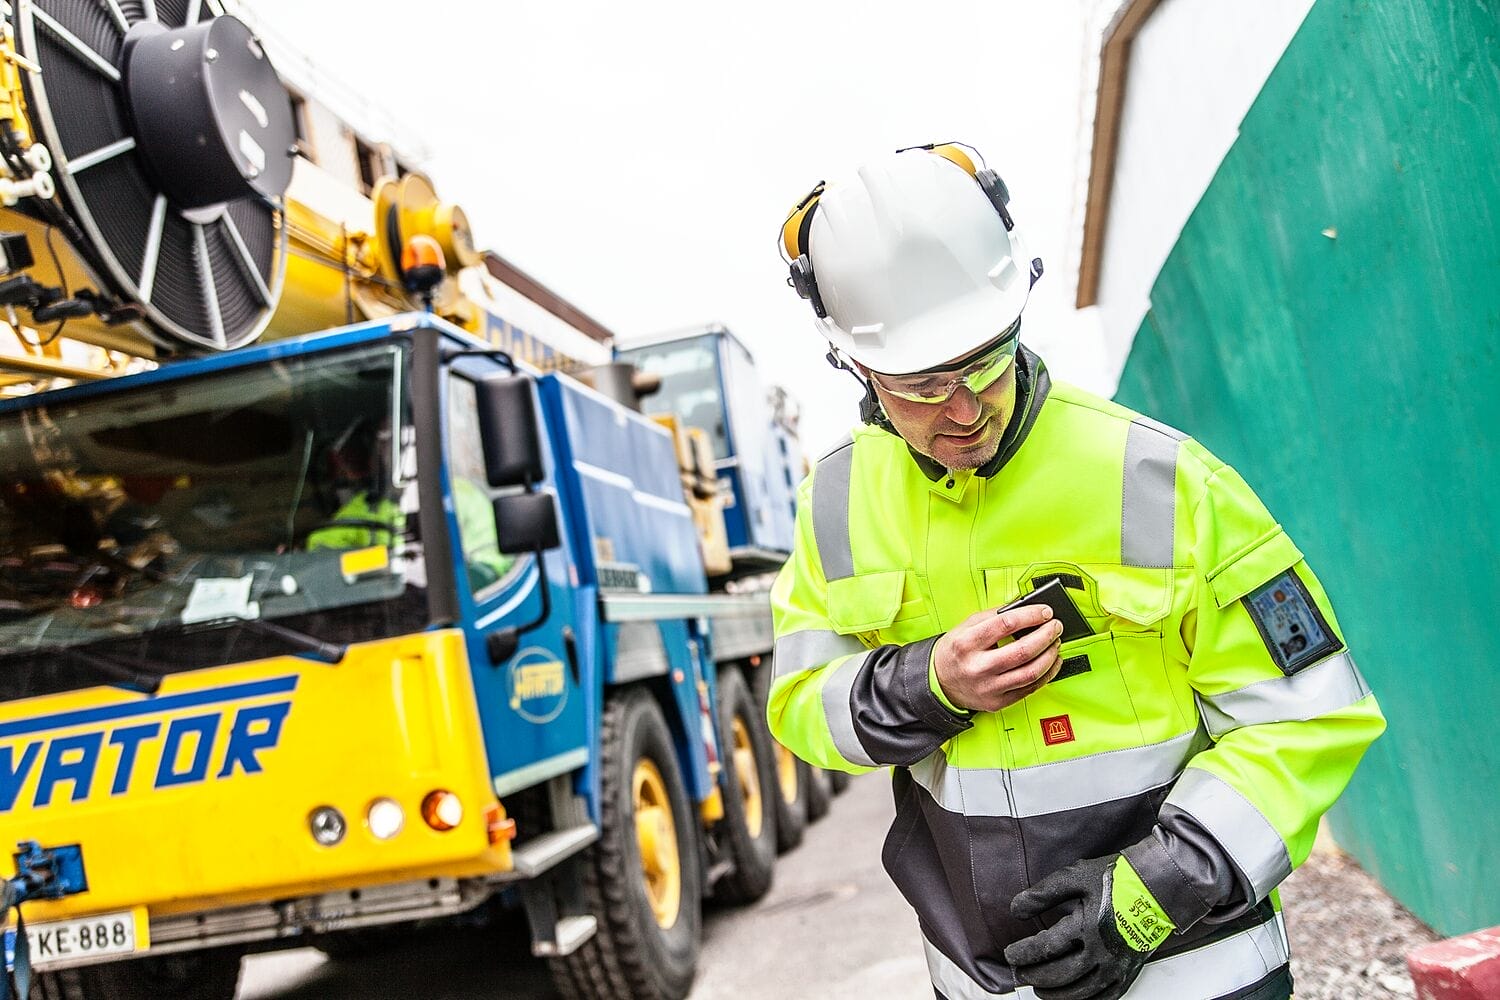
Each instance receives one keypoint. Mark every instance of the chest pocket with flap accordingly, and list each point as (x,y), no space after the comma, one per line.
(882,607)
(1111,598)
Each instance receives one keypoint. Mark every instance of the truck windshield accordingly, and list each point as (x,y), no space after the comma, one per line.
(689,371)
(149,524)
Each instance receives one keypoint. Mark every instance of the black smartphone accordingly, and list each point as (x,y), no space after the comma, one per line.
(1055,596)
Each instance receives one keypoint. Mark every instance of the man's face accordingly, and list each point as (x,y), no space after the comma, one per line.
(960,433)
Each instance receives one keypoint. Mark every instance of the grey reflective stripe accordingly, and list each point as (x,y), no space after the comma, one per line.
(1239,827)
(1061,785)
(839,713)
(1321,688)
(1214,970)
(955,984)
(1148,502)
(811,648)
(830,512)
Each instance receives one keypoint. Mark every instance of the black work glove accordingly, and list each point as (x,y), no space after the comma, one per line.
(1095,951)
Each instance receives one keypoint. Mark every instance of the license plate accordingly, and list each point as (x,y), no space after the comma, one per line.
(71,941)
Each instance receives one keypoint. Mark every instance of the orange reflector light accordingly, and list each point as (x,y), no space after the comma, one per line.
(499,826)
(442,810)
(422,251)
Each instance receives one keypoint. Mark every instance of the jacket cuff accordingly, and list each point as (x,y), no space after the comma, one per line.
(889,707)
(1177,893)
(914,662)
(937,687)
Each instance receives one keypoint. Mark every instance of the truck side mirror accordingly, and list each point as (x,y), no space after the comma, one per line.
(508,424)
(526,522)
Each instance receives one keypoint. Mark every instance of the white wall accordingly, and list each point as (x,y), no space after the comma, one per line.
(1195,68)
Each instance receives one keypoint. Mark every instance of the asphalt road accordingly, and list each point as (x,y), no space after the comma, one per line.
(833,927)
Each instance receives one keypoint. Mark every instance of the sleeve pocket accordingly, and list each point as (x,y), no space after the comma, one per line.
(1243,572)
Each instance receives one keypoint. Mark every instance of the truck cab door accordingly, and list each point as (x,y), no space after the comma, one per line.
(515,597)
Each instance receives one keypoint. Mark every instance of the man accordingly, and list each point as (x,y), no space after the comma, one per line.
(372,515)
(1076,820)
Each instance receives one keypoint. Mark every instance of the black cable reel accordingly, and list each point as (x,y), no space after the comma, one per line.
(173,139)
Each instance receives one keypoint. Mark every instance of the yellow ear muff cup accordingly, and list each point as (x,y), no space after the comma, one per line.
(956,154)
(794,229)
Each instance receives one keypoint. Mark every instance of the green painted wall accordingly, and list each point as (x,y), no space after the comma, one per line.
(1355,381)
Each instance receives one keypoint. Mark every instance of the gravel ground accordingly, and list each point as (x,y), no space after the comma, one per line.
(1349,939)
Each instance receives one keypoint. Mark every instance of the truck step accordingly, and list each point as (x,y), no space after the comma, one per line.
(536,856)
(571,933)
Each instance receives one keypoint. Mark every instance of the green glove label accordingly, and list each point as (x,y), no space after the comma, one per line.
(1142,923)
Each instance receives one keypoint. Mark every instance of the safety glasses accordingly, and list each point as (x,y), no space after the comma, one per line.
(939,386)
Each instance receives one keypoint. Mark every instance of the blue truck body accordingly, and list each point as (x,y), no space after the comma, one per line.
(709,381)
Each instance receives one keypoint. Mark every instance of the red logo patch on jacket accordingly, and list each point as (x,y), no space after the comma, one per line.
(1057,729)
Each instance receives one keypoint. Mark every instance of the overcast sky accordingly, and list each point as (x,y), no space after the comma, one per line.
(638,158)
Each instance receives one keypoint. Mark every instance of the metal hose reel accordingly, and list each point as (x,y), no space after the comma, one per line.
(171,137)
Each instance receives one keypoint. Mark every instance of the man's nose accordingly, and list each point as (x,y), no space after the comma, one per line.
(963,406)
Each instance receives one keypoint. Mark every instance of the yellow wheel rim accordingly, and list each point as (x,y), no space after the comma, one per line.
(656,836)
(749,776)
(786,773)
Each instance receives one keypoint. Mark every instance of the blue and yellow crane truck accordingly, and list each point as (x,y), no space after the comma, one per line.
(319,615)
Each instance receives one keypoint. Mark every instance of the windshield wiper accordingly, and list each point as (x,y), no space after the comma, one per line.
(333,652)
(136,678)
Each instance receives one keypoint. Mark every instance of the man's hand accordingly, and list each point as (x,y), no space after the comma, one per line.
(978,677)
(1110,926)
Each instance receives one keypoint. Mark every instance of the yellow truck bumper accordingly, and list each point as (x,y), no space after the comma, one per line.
(200,797)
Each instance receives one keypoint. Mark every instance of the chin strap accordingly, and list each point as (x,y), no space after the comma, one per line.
(870,410)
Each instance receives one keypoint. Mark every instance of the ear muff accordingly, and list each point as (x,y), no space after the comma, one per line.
(806,285)
(799,223)
(794,238)
(999,195)
(989,182)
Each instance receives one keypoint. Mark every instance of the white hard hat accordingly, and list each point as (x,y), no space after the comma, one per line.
(911,262)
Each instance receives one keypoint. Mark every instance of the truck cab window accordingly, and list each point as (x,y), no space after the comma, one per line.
(149,524)
(473,501)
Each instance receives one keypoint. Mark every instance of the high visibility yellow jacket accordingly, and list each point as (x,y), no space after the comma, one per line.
(1211,719)
(358,508)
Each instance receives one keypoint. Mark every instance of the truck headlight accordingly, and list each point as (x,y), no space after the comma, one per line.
(385,818)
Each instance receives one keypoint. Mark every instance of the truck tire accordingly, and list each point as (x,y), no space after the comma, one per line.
(748,830)
(791,773)
(647,897)
(792,777)
(197,975)
(819,794)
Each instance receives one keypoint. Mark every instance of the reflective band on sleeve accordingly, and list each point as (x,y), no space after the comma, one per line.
(1318,690)
(1240,828)
(839,713)
(797,651)
(830,512)
(1148,504)
(1214,970)
(1058,786)
(1217,969)
(956,984)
